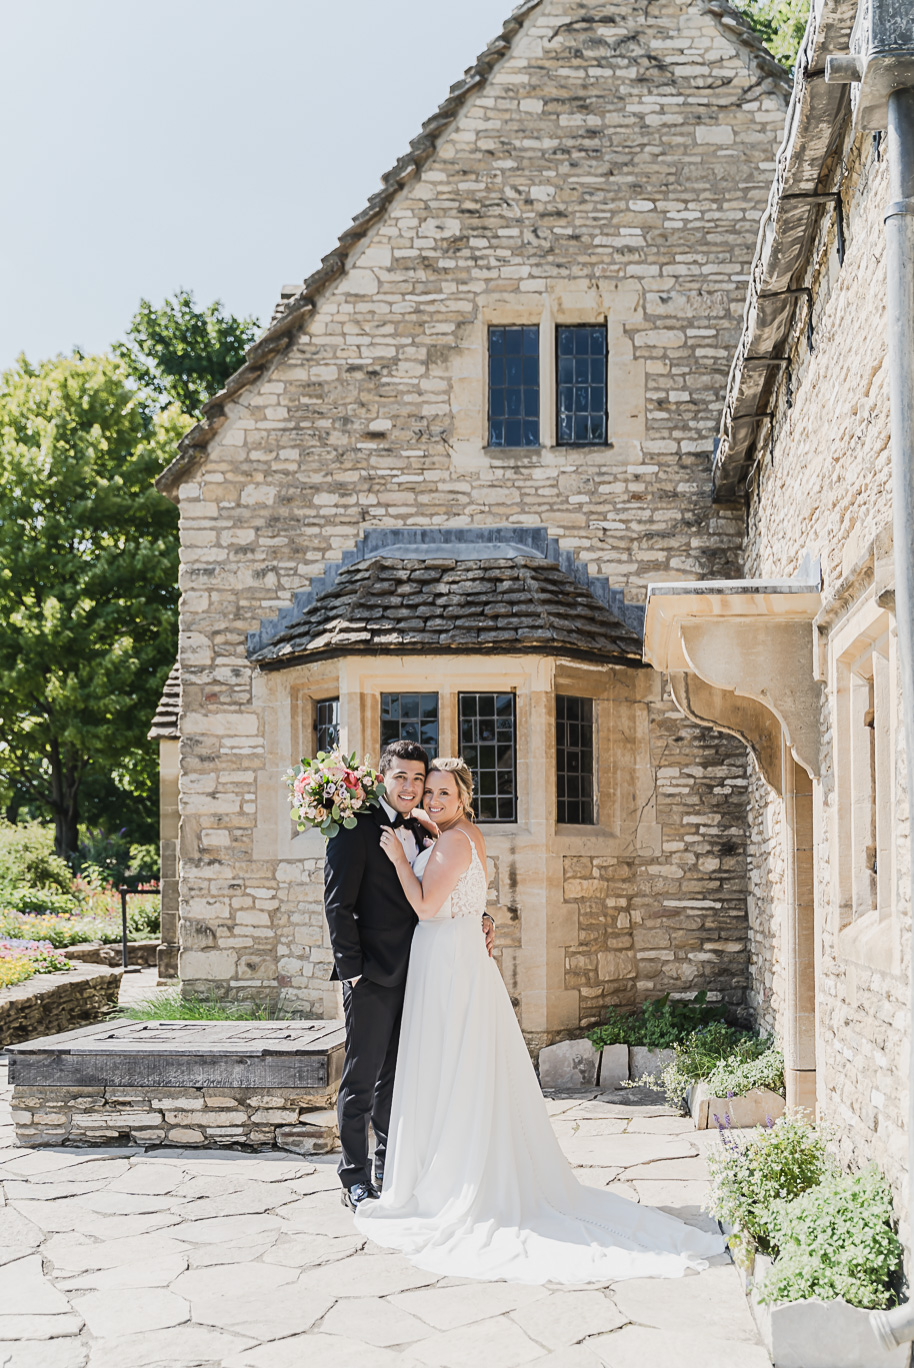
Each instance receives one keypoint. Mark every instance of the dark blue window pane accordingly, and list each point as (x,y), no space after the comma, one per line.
(574,760)
(581,389)
(327,724)
(410,717)
(493,765)
(514,400)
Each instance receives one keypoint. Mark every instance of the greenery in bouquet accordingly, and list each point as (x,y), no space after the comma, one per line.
(837,1239)
(752,1174)
(328,792)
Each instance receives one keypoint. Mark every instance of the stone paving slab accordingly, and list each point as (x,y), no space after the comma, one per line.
(169,1258)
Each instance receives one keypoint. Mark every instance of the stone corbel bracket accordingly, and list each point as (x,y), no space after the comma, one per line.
(740,656)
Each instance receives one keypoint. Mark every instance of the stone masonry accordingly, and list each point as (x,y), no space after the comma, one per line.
(819,483)
(57,1002)
(594,165)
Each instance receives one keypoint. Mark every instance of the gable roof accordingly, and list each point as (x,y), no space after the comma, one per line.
(296,306)
(439,606)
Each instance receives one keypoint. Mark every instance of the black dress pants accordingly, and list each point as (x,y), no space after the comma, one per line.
(373,1015)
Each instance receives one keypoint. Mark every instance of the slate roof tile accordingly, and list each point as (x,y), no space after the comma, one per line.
(523,603)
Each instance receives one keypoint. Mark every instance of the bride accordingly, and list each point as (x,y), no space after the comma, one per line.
(475,1184)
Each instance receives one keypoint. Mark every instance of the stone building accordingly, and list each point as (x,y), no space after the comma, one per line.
(799,658)
(432,500)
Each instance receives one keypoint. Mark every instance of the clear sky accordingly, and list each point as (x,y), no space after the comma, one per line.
(215,145)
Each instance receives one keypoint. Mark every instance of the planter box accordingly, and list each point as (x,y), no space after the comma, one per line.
(753,1109)
(818,1334)
(569,1064)
(641,1060)
(613,1067)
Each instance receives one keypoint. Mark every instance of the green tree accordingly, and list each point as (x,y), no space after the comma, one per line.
(779,23)
(181,354)
(88,578)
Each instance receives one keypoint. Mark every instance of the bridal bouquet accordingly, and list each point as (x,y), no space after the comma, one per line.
(328,791)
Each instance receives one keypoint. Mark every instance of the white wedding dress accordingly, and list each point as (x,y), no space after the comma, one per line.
(475,1183)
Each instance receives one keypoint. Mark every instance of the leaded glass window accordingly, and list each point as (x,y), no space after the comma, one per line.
(574,759)
(581,385)
(487,743)
(514,387)
(327,723)
(410,717)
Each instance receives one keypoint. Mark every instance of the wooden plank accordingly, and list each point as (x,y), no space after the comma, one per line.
(152,1070)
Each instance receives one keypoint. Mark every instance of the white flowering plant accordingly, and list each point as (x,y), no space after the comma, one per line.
(329,791)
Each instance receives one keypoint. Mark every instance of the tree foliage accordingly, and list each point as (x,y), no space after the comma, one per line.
(88,578)
(779,23)
(181,354)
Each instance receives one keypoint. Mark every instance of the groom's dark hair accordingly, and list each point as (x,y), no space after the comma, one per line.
(402,750)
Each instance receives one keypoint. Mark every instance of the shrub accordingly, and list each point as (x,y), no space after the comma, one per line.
(658,1024)
(836,1240)
(699,1055)
(145,863)
(27,857)
(748,1176)
(41,901)
(169,1005)
(738,1074)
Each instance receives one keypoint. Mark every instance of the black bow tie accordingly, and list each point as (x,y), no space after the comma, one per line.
(398,820)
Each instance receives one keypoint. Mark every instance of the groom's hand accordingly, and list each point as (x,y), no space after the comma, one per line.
(488,926)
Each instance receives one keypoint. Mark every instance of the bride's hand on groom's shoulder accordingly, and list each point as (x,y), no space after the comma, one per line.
(425,821)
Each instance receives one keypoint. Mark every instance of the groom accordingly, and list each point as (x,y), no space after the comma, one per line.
(371,930)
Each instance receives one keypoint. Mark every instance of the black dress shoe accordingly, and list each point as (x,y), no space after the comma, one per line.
(359,1192)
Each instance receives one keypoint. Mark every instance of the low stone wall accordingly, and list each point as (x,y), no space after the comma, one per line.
(49,1003)
(241,1117)
(94,952)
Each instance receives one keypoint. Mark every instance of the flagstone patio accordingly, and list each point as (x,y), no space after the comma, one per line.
(189,1259)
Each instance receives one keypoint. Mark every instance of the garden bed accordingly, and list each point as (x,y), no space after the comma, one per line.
(816,1246)
(815,1333)
(97,952)
(57,1002)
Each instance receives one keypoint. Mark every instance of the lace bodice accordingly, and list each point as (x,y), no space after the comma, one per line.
(470,892)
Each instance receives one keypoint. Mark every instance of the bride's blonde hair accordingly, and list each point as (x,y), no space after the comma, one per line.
(463,778)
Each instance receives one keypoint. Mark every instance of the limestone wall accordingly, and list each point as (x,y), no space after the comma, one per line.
(50,1003)
(613,167)
(826,488)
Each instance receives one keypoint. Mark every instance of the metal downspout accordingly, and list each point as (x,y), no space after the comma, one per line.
(897,1326)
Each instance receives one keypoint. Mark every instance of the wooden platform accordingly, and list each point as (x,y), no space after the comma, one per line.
(180,1082)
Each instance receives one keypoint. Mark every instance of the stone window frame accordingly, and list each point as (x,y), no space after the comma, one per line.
(548,312)
(863,689)
(594,724)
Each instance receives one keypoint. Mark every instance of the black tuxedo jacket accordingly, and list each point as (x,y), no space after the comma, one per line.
(371,921)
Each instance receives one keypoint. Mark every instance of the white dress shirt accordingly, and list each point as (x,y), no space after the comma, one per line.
(405,837)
